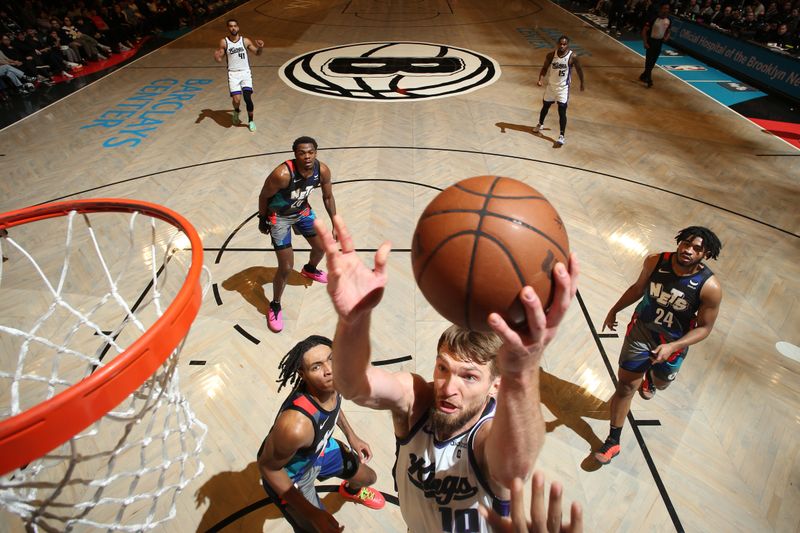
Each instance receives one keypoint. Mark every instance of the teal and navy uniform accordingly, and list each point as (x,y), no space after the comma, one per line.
(666,313)
(289,207)
(325,457)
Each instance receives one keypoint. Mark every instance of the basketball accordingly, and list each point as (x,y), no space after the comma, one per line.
(479,242)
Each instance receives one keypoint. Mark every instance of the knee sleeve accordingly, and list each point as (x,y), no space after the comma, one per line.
(248,100)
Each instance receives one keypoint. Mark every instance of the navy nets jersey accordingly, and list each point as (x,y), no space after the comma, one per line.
(670,303)
(323,422)
(294,198)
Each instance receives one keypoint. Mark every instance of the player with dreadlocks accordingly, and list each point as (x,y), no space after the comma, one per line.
(680,299)
(299,449)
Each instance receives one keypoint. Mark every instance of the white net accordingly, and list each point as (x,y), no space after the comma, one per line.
(75,292)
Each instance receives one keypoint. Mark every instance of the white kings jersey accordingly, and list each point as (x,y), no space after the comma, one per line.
(559,71)
(439,484)
(236,54)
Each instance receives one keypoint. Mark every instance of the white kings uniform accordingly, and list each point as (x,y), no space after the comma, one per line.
(239,76)
(557,89)
(439,484)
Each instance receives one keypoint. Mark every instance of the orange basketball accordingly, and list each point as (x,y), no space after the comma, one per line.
(479,242)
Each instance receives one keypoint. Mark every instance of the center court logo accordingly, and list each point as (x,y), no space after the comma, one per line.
(390,71)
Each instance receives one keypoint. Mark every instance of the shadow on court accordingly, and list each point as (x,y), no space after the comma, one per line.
(223,117)
(238,497)
(250,284)
(525,129)
(570,404)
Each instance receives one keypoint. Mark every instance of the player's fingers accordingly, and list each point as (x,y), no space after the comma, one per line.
(495,521)
(575,519)
(562,296)
(382,256)
(554,508)
(518,518)
(502,329)
(328,244)
(538,515)
(574,273)
(537,320)
(345,240)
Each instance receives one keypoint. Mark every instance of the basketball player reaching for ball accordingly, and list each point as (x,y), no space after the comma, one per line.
(283,207)
(464,436)
(234,48)
(560,63)
(299,449)
(680,299)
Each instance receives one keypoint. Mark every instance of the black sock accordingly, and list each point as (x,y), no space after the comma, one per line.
(614,434)
(276,306)
(349,490)
(308,268)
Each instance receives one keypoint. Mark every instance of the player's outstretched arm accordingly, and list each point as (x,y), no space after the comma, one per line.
(632,294)
(355,290)
(508,445)
(539,520)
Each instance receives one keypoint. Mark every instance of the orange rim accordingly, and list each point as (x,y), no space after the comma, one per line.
(29,435)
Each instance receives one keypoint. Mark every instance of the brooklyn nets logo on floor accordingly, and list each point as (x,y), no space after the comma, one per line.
(390,71)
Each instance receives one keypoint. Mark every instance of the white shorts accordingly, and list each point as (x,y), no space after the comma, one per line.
(558,94)
(239,80)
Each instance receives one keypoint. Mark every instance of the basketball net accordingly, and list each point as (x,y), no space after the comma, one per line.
(75,302)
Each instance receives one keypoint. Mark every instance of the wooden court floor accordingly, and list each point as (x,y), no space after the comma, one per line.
(718,451)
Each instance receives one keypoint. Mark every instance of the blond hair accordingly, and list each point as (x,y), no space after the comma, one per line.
(474,346)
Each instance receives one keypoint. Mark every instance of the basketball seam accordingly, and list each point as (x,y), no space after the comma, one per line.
(500,197)
(498,215)
(468,288)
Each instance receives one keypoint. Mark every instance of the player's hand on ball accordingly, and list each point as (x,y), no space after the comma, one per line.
(353,287)
(522,350)
(539,521)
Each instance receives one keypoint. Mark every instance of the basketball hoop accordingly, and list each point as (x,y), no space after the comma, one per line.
(94,430)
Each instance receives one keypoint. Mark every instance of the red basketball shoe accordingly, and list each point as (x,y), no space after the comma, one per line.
(607,451)
(647,390)
(366,496)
